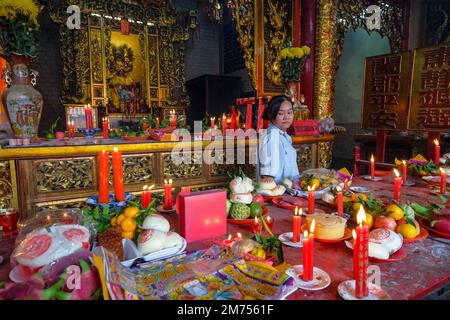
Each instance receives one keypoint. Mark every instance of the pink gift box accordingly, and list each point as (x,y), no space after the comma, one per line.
(203,215)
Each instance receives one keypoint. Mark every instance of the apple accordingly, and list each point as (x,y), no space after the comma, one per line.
(385,223)
(259,199)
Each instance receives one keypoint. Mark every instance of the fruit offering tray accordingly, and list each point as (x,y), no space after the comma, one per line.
(304,194)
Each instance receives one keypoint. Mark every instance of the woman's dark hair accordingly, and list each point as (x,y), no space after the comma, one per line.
(271,112)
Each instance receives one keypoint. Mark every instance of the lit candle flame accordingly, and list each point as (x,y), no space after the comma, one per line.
(224,117)
(436,142)
(354,234)
(397,174)
(305,234)
(300,213)
(165,181)
(170,181)
(312,188)
(361,216)
(313,226)
(269,218)
(151,187)
(404,162)
(145,188)
(442,170)
(229,237)
(239,235)
(115,149)
(372,159)
(256,219)
(296,211)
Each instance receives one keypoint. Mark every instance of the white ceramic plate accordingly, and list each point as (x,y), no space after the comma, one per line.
(131,252)
(286,238)
(320,281)
(360,189)
(374,178)
(346,290)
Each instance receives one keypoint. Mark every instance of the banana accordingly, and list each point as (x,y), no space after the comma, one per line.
(262,265)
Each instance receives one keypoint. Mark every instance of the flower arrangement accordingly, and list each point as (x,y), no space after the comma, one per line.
(292,60)
(19,27)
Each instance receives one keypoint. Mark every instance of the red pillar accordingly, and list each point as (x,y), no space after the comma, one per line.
(308,37)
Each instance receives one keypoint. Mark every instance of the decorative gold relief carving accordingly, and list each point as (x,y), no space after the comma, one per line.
(7,185)
(64,175)
(325,151)
(138,169)
(304,157)
(244,18)
(189,168)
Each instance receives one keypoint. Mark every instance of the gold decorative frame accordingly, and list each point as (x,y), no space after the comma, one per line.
(333,19)
(84,51)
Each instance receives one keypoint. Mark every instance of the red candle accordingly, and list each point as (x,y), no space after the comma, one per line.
(372,168)
(248,116)
(224,124)
(103,177)
(118,175)
(443,181)
(346,187)
(168,195)
(437,151)
(144,125)
(308,253)
(146,196)
(361,255)
(173,118)
(105,128)
(311,199)
(296,225)
(212,122)
(228,241)
(340,203)
(397,185)
(269,222)
(88,116)
(256,226)
(234,118)
(404,170)
(157,122)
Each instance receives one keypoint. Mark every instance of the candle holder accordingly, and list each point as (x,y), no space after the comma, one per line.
(112,203)
(320,281)
(346,290)
(88,133)
(160,208)
(370,178)
(286,238)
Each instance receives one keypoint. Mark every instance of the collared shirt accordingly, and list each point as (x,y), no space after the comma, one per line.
(277,156)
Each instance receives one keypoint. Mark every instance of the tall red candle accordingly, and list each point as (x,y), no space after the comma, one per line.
(361,255)
(248,116)
(88,117)
(103,177)
(105,128)
(372,168)
(173,119)
(212,122)
(234,118)
(340,203)
(296,225)
(443,183)
(118,175)
(404,171)
(146,196)
(397,185)
(167,195)
(437,151)
(157,122)
(311,200)
(308,253)
(144,124)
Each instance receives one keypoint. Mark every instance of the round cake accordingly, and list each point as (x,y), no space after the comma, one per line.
(328,227)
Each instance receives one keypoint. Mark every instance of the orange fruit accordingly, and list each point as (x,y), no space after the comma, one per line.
(120,219)
(355,196)
(346,199)
(128,235)
(403,221)
(314,183)
(369,221)
(395,212)
(131,212)
(114,221)
(128,225)
(407,231)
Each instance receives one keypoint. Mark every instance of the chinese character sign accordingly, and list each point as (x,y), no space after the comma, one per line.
(386,92)
(430,95)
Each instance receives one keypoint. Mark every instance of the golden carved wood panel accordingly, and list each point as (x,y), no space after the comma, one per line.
(136,169)
(188,168)
(386,92)
(8,184)
(305,157)
(64,175)
(430,92)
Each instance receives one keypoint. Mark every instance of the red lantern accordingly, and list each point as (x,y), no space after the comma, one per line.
(125,26)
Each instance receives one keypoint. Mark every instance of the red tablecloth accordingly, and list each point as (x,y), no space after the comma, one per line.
(425,269)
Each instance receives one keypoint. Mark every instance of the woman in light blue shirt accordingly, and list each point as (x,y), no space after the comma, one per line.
(277,156)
